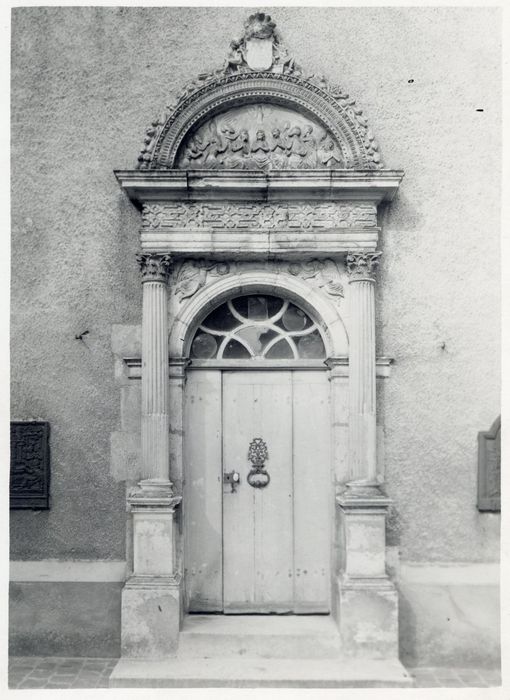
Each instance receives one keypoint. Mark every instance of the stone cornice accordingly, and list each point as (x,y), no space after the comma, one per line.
(282,185)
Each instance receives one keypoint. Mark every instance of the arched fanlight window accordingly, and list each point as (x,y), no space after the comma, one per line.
(259,327)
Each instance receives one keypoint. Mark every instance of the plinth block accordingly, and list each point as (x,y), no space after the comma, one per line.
(151,613)
(368,617)
(363,512)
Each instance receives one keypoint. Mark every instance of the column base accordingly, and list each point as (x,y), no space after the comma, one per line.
(151,612)
(368,617)
(152,488)
(358,490)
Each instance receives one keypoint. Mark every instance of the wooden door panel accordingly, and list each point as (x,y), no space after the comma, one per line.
(202,503)
(312,492)
(257,523)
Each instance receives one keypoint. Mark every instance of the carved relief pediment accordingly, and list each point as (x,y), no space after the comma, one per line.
(260,137)
(260,111)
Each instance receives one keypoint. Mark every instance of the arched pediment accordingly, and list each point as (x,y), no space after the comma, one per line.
(260,111)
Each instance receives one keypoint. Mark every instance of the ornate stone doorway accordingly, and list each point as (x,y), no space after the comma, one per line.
(259,183)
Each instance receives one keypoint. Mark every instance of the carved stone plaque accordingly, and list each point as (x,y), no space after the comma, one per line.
(260,137)
(30,465)
(489,468)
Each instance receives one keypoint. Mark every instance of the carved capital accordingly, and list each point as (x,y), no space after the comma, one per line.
(154,268)
(362,266)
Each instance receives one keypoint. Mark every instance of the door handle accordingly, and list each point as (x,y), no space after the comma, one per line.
(232,478)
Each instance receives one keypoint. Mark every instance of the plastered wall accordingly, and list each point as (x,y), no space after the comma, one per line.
(86,82)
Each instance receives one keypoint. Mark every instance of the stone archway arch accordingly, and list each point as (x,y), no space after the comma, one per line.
(321,309)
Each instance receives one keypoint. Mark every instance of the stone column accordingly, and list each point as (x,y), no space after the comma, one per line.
(367,602)
(155,441)
(151,609)
(362,404)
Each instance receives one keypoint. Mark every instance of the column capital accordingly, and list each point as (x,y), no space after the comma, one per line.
(362,265)
(154,267)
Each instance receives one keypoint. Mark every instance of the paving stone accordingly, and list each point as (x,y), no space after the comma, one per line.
(92,672)
(450,683)
(89,676)
(47,665)
(83,684)
(23,665)
(63,677)
(445,673)
(30,683)
(14,682)
(428,684)
(71,664)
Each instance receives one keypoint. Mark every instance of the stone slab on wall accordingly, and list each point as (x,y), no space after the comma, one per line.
(65,618)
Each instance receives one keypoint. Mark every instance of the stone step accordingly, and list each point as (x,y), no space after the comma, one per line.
(242,672)
(259,636)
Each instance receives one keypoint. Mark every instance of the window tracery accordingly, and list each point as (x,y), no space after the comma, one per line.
(258,327)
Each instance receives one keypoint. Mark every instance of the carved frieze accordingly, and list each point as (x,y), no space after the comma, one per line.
(264,137)
(30,465)
(259,215)
(193,274)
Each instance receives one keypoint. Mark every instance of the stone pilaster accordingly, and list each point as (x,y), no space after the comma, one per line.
(362,380)
(177,378)
(155,422)
(338,378)
(151,607)
(367,602)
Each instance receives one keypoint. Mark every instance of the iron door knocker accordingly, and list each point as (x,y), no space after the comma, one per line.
(257,454)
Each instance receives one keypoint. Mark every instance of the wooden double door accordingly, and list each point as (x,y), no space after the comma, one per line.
(258,499)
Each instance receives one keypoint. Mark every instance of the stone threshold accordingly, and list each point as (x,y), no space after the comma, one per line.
(239,672)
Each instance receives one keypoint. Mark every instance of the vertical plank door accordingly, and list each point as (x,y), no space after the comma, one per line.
(257,522)
(313,492)
(202,492)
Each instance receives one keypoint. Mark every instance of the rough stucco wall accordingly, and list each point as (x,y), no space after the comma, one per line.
(86,84)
